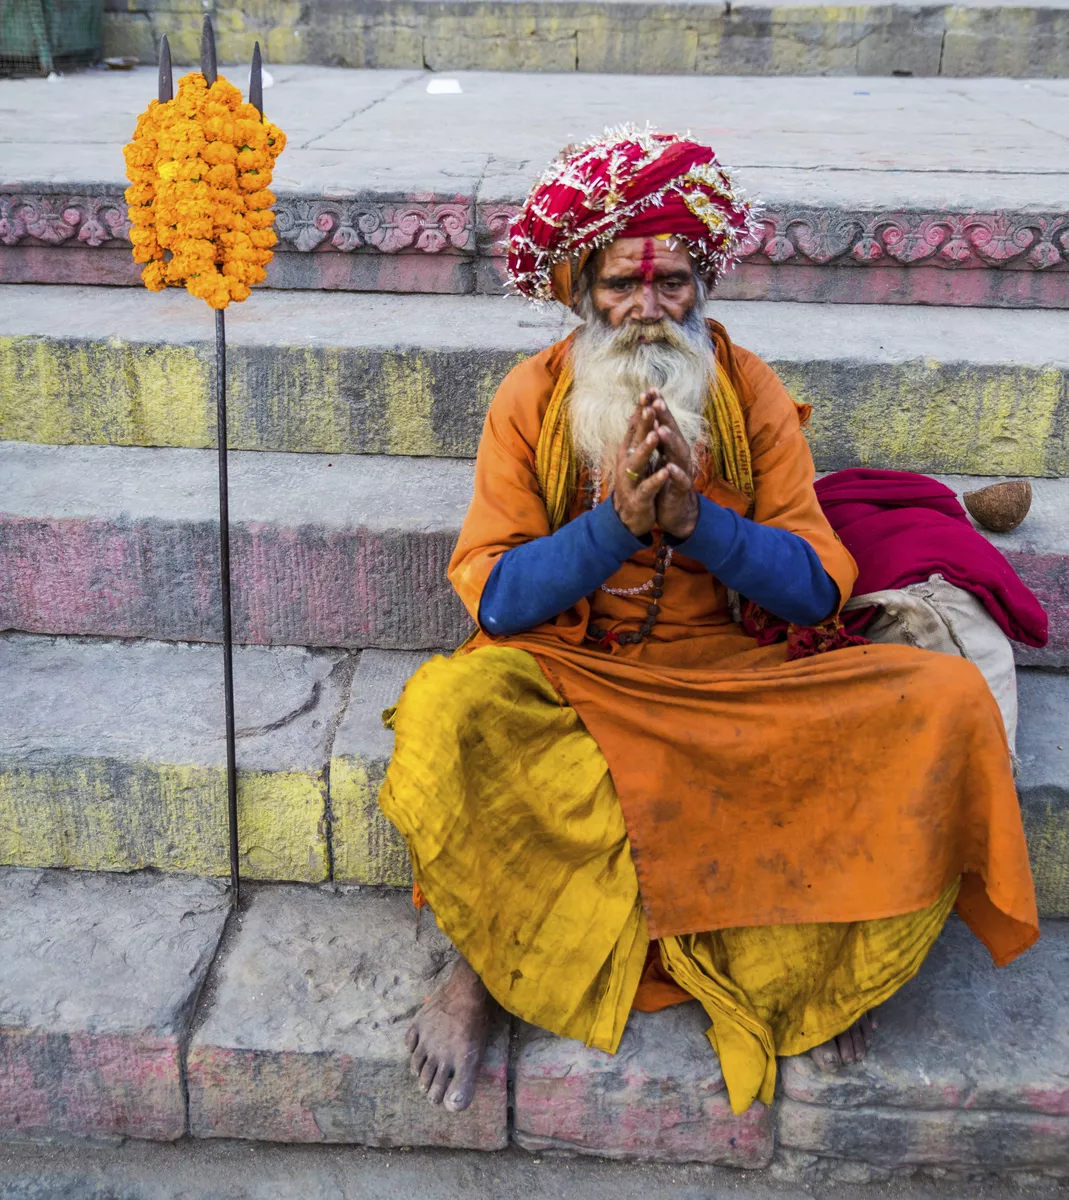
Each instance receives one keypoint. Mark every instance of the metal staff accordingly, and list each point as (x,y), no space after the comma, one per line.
(209,69)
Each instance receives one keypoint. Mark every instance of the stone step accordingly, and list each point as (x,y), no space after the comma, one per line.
(112,759)
(384,187)
(112,756)
(668,37)
(99,977)
(340,550)
(969,1068)
(297,1038)
(940,390)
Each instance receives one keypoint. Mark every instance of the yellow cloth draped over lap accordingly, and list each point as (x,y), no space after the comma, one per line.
(519,844)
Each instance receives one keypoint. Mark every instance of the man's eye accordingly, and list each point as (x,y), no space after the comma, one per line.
(620,286)
(672,285)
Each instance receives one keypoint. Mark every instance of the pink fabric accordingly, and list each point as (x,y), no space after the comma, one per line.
(903,528)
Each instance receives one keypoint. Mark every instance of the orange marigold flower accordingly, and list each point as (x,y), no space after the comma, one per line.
(199,168)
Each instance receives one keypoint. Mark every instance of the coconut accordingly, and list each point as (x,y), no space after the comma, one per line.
(1000,507)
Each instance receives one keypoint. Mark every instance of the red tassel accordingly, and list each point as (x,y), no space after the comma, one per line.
(803,641)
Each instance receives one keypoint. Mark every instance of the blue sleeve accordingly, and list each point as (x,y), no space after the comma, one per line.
(772,567)
(535,581)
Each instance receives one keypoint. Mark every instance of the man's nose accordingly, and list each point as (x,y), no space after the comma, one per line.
(648,304)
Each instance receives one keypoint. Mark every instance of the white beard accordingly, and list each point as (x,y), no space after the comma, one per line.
(612,369)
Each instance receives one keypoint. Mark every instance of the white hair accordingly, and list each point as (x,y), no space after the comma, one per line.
(614,367)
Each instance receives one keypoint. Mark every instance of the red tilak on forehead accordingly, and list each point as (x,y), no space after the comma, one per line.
(647,260)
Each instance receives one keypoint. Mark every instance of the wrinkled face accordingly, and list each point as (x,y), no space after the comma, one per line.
(641,280)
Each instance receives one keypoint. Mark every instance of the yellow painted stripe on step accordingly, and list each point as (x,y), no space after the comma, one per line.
(367,848)
(99,815)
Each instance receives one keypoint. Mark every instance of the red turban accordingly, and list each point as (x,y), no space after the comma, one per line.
(627,183)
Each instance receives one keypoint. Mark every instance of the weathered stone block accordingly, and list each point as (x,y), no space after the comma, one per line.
(1043,784)
(325,551)
(513,37)
(366,847)
(98,978)
(968,1069)
(333,374)
(660,45)
(112,756)
(303,1040)
(1006,40)
(661,1097)
(349,39)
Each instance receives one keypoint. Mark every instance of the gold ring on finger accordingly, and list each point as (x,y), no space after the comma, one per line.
(634,476)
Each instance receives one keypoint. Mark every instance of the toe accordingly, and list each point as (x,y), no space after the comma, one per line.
(426,1076)
(442,1078)
(412,1038)
(826,1057)
(462,1090)
(858,1037)
(419,1057)
(846,1047)
(866,1030)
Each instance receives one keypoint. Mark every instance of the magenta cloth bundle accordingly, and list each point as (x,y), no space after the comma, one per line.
(903,528)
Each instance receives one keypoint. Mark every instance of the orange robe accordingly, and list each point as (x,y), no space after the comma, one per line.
(850,786)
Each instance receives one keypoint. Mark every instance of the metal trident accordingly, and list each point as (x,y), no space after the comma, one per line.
(210,71)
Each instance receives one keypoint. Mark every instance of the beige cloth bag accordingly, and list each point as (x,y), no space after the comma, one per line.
(940,616)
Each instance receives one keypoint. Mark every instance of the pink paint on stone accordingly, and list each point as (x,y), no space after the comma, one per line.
(90,1084)
(661,1098)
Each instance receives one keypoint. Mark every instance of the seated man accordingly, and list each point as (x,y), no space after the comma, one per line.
(620,795)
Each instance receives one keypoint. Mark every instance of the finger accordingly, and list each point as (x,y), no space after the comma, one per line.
(645,423)
(674,444)
(636,462)
(679,477)
(639,427)
(648,488)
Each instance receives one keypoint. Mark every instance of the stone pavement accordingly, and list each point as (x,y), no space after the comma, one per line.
(235,1170)
(396,189)
(798,37)
(296,1037)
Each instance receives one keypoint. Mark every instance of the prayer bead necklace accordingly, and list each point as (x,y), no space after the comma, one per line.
(654,586)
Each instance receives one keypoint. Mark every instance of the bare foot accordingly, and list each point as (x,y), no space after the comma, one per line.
(848,1047)
(448,1037)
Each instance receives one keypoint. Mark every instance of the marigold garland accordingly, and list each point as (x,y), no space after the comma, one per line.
(200,167)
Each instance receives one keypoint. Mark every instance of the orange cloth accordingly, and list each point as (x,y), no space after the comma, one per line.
(849,786)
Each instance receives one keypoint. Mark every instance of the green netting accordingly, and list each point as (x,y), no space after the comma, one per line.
(39,36)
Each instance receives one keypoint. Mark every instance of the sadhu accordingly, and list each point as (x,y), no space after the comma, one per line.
(661,769)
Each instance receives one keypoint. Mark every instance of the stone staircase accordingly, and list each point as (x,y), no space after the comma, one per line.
(131,1002)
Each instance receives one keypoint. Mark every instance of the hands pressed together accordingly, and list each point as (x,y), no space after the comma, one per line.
(665,498)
